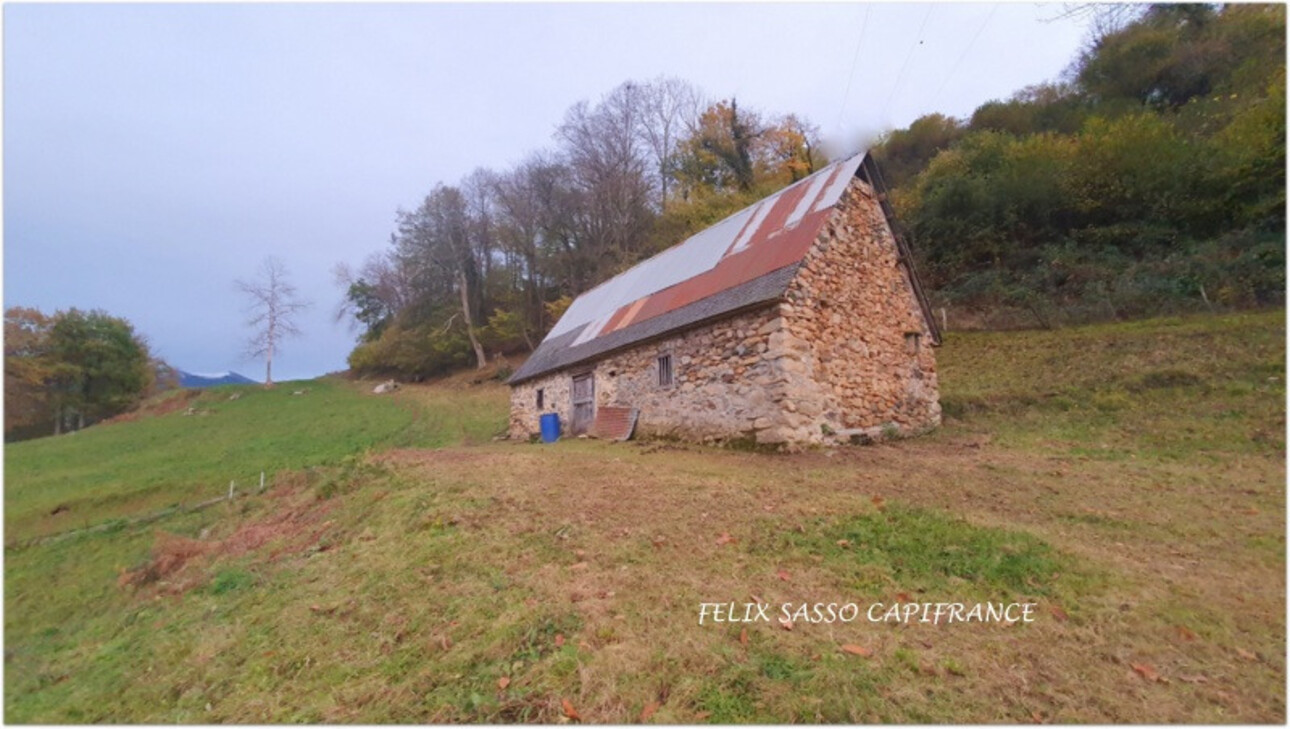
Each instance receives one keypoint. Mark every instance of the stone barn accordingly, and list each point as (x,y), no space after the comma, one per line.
(798,320)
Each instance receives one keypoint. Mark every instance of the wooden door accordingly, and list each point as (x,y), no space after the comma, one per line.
(584,403)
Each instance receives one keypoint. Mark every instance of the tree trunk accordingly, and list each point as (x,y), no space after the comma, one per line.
(480,359)
(268,355)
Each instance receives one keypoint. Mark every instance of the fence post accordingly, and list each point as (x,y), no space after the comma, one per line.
(230,490)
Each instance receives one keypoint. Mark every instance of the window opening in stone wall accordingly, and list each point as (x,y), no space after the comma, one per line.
(912,342)
(665,370)
(540,394)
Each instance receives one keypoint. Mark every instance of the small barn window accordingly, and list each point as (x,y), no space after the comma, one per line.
(540,398)
(912,342)
(665,370)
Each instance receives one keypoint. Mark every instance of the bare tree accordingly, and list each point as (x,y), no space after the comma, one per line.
(274,304)
(610,172)
(670,107)
(372,295)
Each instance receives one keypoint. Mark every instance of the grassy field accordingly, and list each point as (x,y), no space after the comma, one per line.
(1128,479)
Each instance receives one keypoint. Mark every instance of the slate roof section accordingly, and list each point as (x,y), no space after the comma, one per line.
(556,354)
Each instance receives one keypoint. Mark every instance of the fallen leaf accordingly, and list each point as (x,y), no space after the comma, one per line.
(702,715)
(559,640)
(578,566)
(903,597)
(1145,670)
(503,682)
(725,539)
(1059,613)
(1246,654)
(569,711)
(743,637)
(857,650)
(1037,717)
(783,575)
(844,543)
(1186,634)
(786,624)
(648,711)
(879,502)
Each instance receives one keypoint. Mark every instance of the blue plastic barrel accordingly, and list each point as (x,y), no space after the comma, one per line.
(550,427)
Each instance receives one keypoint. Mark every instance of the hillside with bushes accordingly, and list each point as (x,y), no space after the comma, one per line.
(1148,181)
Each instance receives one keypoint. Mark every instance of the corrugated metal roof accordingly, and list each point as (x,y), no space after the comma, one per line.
(736,257)
(561,352)
(724,250)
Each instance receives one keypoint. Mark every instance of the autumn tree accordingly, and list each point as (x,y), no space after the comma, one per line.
(274,305)
(27,366)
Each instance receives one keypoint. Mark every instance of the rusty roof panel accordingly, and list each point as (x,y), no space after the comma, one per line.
(765,237)
(559,353)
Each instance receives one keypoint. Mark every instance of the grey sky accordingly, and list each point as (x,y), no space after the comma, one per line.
(155,153)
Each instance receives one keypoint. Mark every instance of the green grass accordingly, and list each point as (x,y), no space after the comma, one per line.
(1128,478)
(923,549)
(1165,388)
(127,469)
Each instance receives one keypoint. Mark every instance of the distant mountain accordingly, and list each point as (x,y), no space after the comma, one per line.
(189,379)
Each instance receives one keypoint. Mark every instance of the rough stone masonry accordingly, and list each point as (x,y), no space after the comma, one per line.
(844,356)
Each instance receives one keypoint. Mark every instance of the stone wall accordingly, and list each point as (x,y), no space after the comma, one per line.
(852,317)
(846,353)
(724,383)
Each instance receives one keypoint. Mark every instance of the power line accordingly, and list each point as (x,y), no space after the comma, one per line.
(901,76)
(937,96)
(855,58)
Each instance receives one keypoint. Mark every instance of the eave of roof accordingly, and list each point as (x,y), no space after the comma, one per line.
(759,292)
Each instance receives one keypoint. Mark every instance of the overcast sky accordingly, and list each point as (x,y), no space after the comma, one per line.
(153,154)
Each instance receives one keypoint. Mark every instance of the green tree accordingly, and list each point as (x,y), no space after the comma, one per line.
(98,367)
(903,153)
